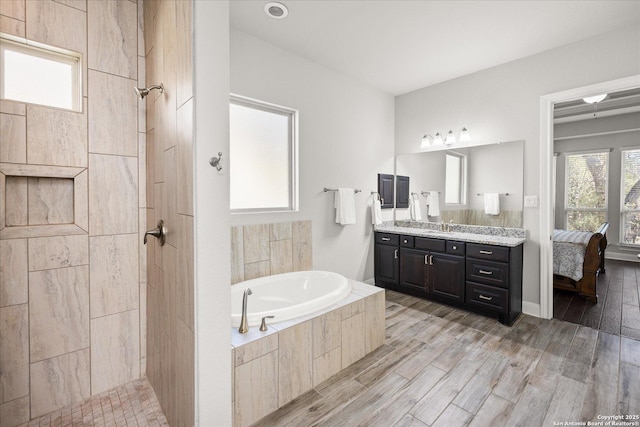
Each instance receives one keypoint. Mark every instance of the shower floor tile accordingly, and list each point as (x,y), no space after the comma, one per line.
(132,404)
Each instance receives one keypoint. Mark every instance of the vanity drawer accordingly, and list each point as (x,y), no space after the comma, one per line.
(487,272)
(489,252)
(387,238)
(436,245)
(487,297)
(406,241)
(456,248)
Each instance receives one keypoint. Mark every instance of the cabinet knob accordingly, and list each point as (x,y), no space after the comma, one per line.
(455,248)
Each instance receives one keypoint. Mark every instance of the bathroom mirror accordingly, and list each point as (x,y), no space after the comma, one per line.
(494,168)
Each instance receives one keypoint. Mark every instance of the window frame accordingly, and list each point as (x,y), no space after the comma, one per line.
(50,53)
(293,204)
(623,209)
(462,177)
(567,209)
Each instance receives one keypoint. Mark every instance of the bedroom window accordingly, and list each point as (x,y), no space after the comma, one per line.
(263,157)
(630,200)
(586,190)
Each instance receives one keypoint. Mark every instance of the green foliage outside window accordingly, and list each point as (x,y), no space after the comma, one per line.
(586,190)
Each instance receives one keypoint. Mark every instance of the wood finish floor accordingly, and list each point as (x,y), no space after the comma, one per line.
(446,367)
(618,308)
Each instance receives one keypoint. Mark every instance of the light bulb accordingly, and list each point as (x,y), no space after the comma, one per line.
(464,135)
(438,139)
(451,138)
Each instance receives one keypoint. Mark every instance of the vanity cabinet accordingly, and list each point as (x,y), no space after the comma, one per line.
(478,277)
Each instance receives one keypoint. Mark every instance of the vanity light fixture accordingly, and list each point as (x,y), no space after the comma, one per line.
(465,136)
(451,138)
(437,140)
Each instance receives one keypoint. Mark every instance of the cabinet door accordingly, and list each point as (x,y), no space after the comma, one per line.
(386,264)
(447,276)
(413,269)
(385,190)
(402,191)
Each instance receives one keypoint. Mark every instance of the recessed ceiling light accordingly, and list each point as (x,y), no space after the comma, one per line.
(276,10)
(594,99)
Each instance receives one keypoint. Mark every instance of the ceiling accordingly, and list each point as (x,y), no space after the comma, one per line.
(399,46)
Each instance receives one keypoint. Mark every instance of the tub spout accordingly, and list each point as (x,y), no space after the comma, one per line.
(244,326)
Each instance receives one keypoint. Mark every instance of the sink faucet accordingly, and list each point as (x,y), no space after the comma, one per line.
(244,326)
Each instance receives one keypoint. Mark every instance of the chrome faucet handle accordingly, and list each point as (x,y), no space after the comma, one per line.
(263,325)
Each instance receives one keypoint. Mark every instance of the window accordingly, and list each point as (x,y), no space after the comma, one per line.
(263,156)
(586,190)
(39,76)
(630,200)
(454,179)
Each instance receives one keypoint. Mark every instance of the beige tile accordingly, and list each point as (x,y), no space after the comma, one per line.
(16,209)
(113,125)
(168,292)
(150,103)
(326,365)
(114,195)
(158,152)
(257,348)
(140,25)
(142,170)
(143,322)
(57,25)
(184,125)
(14,357)
(12,107)
(142,248)
(302,248)
(142,106)
(255,243)
(58,311)
(56,137)
(295,362)
(81,200)
(30,231)
(184,50)
(13,8)
(13,272)
(353,309)
(280,231)
(281,256)
(255,385)
(59,381)
(158,214)
(185,282)
(40,171)
(78,4)
(170,197)
(50,201)
(15,412)
(257,269)
(353,339)
(13,145)
(327,333)
(12,26)
(374,321)
(3,181)
(114,274)
(150,9)
(165,105)
(237,257)
(150,168)
(115,350)
(185,379)
(113,37)
(56,252)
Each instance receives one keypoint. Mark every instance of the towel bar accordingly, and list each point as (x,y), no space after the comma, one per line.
(325,189)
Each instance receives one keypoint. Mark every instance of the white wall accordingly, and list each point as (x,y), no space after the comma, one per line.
(346,139)
(503,103)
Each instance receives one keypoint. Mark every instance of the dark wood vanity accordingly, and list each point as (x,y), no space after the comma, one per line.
(478,277)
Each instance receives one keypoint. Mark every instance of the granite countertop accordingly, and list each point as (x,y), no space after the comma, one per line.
(487,239)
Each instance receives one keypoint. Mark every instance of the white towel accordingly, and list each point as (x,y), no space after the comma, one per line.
(414,207)
(345,205)
(433,203)
(492,203)
(376,211)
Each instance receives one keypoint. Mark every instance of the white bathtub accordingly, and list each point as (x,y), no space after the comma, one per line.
(287,296)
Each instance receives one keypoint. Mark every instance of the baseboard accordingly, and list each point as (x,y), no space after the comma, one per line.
(633,257)
(530,308)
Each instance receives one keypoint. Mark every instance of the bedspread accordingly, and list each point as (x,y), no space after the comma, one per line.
(569,249)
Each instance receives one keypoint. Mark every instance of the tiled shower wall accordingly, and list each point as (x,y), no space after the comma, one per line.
(72,267)
(265,249)
(170,290)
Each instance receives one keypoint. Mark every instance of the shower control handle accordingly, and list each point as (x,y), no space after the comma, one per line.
(160,233)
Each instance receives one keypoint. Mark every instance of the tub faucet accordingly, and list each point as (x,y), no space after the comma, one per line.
(244,327)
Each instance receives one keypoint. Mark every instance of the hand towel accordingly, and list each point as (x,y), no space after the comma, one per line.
(376,211)
(492,203)
(433,204)
(414,207)
(345,205)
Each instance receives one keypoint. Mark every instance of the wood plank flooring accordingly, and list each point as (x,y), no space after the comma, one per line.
(618,308)
(446,367)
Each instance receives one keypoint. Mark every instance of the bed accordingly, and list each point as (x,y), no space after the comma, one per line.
(578,259)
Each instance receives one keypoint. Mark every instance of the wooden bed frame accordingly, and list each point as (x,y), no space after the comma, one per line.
(592,267)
